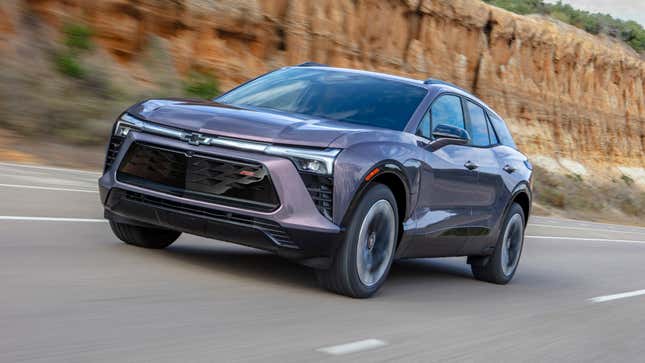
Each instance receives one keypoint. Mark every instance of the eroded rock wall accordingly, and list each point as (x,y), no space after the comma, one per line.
(565,93)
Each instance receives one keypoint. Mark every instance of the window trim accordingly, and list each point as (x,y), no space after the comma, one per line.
(464,98)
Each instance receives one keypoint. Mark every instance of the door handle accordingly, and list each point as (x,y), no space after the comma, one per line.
(470,165)
(509,169)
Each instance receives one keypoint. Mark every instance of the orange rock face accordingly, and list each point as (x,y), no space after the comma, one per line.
(565,93)
(6,28)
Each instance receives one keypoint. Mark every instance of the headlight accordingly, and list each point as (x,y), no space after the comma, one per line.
(312,161)
(127,123)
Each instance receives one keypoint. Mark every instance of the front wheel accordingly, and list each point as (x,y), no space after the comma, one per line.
(363,261)
(500,267)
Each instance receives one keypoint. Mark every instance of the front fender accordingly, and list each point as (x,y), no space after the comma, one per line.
(354,164)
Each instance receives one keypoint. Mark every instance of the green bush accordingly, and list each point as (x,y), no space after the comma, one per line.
(575,177)
(630,207)
(78,36)
(201,84)
(520,7)
(562,16)
(552,197)
(67,63)
(634,34)
(78,39)
(630,32)
(629,181)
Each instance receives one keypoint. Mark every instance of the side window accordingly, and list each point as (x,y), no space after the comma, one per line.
(424,126)
(491,134)
(447,110)
(478,125)
(502,131)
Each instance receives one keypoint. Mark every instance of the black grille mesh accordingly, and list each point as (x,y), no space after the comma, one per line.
(223,181)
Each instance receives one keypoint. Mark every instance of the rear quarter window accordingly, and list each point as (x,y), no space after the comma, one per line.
(501,130)
(478,125)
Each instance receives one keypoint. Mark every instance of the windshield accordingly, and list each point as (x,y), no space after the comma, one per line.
(336,95)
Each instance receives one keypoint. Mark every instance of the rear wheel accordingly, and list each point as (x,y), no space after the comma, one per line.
(363,261)
(500,267)
(145,237)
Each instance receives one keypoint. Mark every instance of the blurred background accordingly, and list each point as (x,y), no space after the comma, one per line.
(568,78)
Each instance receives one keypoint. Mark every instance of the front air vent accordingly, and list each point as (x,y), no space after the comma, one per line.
(113,150)
(321,190)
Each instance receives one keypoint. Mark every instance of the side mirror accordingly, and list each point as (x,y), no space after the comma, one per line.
(445,134)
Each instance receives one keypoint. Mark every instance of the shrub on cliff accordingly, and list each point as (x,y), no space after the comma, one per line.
(201,84)
(69,65)
(630,32)
(77,40)
(588,198)
(78,36)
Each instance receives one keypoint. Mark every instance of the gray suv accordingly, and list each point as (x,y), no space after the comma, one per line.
(341,170)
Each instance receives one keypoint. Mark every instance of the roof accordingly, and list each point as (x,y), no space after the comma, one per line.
(443,83)
(358,71)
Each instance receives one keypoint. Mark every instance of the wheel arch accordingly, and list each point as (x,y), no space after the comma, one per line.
(391,174)
(522,196)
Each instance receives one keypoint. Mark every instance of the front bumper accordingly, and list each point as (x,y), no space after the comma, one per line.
(296,229)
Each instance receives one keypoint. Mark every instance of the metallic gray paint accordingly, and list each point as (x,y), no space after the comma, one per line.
(451,210)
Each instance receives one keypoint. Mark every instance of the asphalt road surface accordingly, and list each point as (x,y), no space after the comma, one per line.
(71,292)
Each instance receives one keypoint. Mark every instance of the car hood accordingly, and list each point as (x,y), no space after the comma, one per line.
(252,124)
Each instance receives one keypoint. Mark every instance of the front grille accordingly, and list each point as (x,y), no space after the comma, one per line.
(321,190)
(272,229)
(113,150)
(217,180)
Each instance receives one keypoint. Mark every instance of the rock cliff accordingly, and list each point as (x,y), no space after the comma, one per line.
(566,94)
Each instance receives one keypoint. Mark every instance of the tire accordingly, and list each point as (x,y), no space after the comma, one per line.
(500,267)
(155,238)
(372,231)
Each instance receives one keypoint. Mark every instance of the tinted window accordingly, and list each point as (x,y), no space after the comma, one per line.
(491,134)
(502,132)
(336,95)
(447,110)
(424,126)
(478,127)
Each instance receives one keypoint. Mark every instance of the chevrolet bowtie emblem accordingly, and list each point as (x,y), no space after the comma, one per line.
(195,139)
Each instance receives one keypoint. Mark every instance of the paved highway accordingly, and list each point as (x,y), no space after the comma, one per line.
(70,292)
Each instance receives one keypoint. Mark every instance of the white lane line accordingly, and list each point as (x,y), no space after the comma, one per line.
(588,239)
(578,222)
(354,347)
(52,168)
(51,219)
(615,229)
(47,188)
(601,299)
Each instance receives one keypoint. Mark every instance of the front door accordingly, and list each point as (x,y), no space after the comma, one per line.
(448,187)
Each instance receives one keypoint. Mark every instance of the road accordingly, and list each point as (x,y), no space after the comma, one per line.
(70,292)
